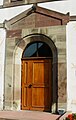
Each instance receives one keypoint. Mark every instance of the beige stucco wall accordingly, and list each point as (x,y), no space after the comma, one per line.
(14,49)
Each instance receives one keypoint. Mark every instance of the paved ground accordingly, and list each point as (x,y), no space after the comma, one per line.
(27,115)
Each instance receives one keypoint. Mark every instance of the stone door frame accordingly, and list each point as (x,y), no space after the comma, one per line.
(15,102)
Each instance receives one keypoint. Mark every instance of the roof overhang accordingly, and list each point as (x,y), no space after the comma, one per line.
(37,17)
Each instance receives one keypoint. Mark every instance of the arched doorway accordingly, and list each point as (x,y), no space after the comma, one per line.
(36,90)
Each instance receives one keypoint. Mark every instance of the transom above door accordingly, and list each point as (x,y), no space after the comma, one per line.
(37,49)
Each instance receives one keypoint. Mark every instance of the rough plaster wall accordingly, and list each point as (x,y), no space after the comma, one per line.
(2,57)
(71,66)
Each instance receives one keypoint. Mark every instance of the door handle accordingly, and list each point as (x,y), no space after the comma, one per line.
(30,85)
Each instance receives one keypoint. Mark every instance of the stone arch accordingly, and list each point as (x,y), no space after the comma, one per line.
(21,45)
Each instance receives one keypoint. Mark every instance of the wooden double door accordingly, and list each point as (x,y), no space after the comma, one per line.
(36,88)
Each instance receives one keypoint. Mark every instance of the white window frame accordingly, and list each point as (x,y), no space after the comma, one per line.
(16,0)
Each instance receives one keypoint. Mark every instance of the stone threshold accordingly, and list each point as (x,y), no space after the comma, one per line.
(27,115)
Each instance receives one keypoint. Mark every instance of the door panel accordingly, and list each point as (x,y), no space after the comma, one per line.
(36,84)
(38,100)
(24,91)
(41,71)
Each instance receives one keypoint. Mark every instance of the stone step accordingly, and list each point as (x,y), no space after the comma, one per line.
(27,115)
